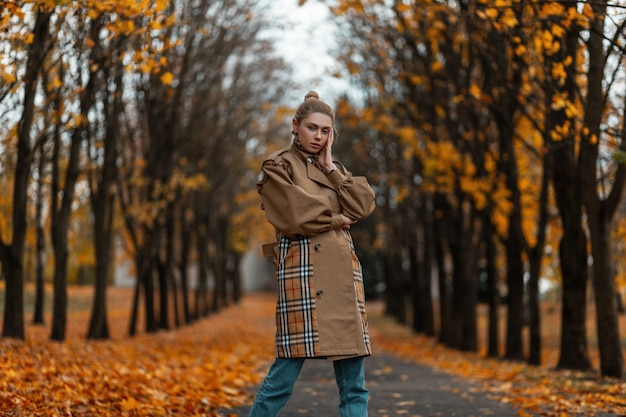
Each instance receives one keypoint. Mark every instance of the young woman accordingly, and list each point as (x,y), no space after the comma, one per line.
(311,201)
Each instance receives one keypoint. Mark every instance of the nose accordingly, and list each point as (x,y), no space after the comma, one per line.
(318,134)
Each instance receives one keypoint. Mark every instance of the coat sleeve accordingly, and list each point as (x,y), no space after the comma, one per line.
(289,208)
(356,196)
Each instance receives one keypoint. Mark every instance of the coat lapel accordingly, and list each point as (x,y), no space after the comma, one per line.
(315,174)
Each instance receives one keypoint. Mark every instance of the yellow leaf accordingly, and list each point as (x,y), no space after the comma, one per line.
(475,92)
(129,404)
(509,19)
(167,78)
(401,8)
(557,31)
(558,71)
(491,12)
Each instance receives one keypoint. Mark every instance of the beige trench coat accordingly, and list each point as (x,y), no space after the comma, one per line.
(320,310)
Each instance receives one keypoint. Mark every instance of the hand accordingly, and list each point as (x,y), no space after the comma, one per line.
(347,221)
(325,156)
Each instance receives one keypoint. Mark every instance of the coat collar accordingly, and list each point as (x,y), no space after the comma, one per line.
(313,169)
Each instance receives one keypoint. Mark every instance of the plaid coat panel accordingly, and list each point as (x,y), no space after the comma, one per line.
(296,321)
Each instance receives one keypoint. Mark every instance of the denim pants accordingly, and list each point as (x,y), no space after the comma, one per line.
(277,387)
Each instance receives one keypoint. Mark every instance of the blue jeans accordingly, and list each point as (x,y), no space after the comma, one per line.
(277,387)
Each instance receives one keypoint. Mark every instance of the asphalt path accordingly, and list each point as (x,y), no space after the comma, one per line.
(397,388)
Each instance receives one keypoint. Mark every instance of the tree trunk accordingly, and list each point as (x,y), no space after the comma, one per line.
(423,318)
(147,277)
(534,313)
(40,282)
(445,290)
(236,277)
(515,297)
(600,213)
(134,310)
(186,241)
(493,292)
(12,255)
(573,245)
(202,242)
(394,293)
(465,294)
(103,206)
(61,213)
(611,355)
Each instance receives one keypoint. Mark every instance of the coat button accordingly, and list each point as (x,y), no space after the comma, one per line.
(319,294)
(318,248)
(309,160)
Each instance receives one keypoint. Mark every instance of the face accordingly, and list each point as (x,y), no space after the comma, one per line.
(313,131)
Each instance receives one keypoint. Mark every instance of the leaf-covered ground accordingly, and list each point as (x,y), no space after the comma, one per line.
(190,371)
(197,369)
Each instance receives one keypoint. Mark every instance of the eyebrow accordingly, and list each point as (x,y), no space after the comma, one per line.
(316,125)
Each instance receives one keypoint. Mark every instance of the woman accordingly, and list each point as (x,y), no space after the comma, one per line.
(312,201)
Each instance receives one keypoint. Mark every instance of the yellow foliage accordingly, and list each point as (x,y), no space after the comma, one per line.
(436,66)
(549,44)
(249,224)
(345,6)
(491,13)
(167,78)
(401,8)
(560,132)
(552,8)
(161,5)
(558,72)
(588,11)
(402,193)
(557,31)
(509,19)
(581,19)
(475,91)
(416,79)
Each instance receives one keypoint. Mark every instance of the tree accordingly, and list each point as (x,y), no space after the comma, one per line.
(601,199)
(489,97)
(12,254)
(61,207)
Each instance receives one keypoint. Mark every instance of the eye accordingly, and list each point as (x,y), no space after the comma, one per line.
(326,131)
(312,128)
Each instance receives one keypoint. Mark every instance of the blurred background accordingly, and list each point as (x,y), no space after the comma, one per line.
(492,131)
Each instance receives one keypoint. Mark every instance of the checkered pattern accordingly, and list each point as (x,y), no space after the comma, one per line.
(296,320)
(357,273)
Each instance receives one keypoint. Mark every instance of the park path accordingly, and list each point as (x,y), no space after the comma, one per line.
(397,388)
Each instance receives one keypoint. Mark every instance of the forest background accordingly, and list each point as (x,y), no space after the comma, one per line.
(493,133)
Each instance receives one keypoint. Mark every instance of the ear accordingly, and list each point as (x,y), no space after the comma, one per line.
(294,125)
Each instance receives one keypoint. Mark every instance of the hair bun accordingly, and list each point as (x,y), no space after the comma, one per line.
(313,95)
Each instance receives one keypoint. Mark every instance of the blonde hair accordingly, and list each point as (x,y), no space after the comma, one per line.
(313,104)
